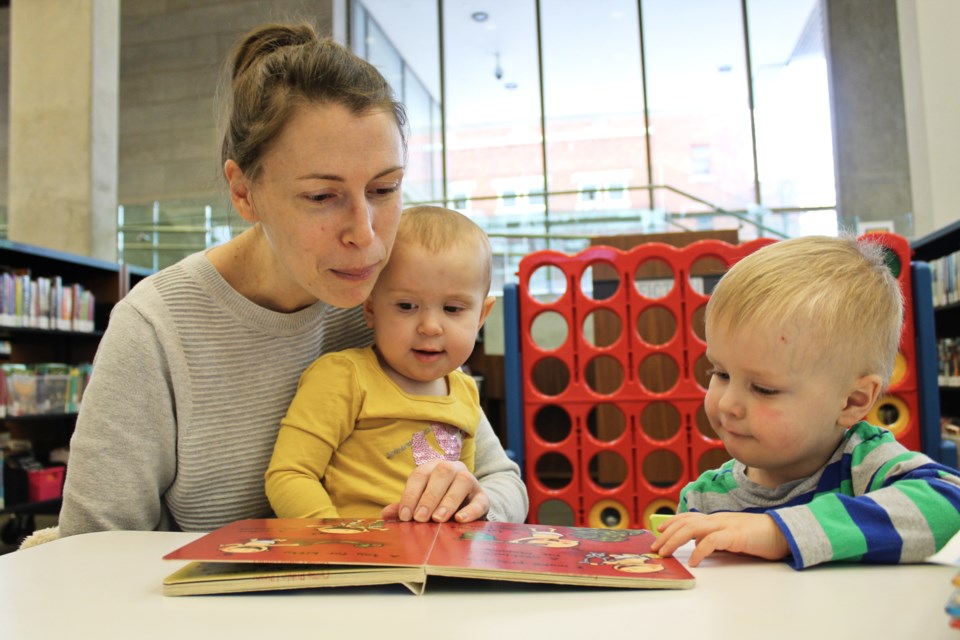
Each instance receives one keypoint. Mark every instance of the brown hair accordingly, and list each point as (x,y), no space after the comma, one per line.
(276,68)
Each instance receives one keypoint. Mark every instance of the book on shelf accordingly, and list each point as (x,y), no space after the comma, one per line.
(948,357)
(276,554)
(44,303)
(42,388)
(945,276)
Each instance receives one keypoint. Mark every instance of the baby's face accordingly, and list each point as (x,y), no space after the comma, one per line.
(426,310)
(772,402)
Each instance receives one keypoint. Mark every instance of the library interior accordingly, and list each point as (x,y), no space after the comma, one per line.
(621,157)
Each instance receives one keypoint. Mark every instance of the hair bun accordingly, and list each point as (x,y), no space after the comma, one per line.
(266,39)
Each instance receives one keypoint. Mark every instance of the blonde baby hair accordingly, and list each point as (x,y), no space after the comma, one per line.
(841,289)
(438,229)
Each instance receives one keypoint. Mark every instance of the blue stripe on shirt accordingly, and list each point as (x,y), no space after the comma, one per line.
(884,544)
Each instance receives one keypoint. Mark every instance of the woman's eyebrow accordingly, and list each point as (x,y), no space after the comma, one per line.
(335,177)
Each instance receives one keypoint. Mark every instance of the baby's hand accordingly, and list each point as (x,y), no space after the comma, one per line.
(755,534)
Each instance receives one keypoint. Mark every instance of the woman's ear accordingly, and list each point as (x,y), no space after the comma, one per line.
(240,194)
(368,311)
(864,394)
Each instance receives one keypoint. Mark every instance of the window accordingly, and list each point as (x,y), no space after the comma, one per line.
(523,194)
(536,197)
(617,192)
(700,159)
(602,189)
(588,193)
(460,195)
(697,98)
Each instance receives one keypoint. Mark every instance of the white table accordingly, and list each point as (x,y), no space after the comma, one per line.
(107,585)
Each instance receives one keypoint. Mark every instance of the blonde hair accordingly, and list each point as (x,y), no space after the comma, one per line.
(438,229)
(840,289)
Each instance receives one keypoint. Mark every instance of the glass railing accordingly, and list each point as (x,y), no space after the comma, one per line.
(158,234)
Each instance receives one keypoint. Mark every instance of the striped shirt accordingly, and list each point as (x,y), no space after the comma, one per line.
(189,385)
(873,501)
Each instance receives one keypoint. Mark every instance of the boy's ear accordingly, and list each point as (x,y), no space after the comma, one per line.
(368,311)
(866,390)
(240,194)
(485,310)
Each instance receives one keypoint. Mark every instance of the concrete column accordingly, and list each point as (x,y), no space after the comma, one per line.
(929,51)
(869,122)
(64,79)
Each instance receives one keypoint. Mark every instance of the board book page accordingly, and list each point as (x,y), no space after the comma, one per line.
(270,554)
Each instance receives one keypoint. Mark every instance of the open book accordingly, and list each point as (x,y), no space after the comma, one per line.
(273,554)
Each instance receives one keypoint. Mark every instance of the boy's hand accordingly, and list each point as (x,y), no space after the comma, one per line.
(437,490)
(755,534)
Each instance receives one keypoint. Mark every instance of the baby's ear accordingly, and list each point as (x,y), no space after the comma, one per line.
(485,309)
(862,397)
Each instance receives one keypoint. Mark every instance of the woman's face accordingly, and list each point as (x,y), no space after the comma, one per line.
(328,201)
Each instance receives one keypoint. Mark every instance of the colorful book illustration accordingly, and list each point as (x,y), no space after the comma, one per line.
(274,554)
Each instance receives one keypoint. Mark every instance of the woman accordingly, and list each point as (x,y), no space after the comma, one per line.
(200,361)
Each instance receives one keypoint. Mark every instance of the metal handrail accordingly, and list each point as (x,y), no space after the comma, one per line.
(670,218)
(714,210)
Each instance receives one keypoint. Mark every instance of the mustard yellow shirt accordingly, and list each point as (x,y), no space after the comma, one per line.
(352,437)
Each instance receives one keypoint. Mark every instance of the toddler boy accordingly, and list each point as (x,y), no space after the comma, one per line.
(802,336)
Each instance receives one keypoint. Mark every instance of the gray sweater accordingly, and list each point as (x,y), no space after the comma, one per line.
(189,385)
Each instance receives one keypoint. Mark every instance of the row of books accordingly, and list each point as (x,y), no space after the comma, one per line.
(945,275)
(44,303)
(38,389)
(948,357)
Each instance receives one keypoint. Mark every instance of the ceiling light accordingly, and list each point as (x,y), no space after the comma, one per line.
(479,16)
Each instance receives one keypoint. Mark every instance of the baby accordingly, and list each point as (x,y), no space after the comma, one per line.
(363,419)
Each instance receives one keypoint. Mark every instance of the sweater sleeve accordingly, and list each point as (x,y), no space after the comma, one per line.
(908,509)
(123,450)
(500,477)
(321,416)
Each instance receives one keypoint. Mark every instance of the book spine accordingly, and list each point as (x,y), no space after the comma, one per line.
(43,303)
(6,304)
(18,302)
(65,321)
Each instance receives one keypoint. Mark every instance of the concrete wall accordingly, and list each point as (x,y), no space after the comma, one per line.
(930,57)
(62,164)
(172,53)
(869,124)
(4,106)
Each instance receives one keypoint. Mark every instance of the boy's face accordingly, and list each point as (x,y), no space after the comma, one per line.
(426,309)
(773,402)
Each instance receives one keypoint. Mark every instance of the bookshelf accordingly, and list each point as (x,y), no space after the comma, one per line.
(29,345)
(941,249)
